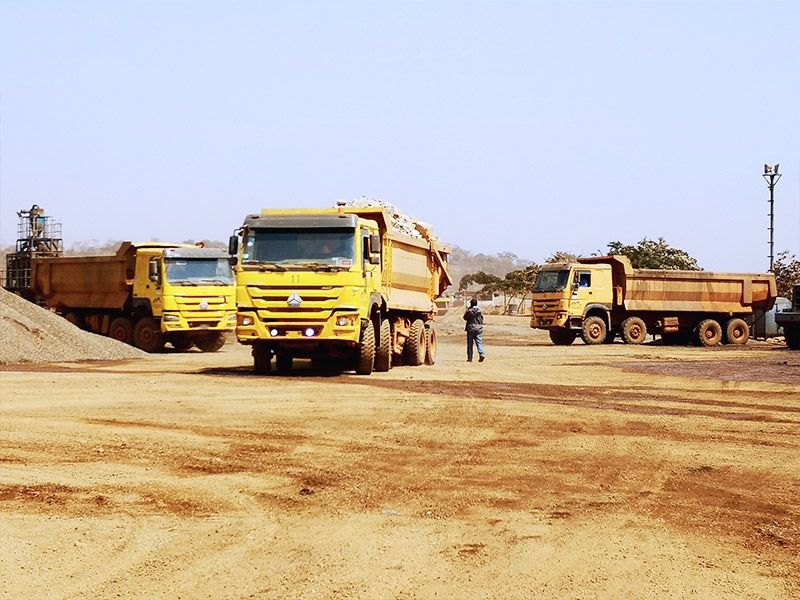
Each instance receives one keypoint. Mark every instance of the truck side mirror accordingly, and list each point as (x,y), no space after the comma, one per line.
(374,245)
(233,245)
(153,269)
(374,259)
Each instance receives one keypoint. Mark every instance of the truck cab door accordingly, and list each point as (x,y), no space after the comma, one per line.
(582,291)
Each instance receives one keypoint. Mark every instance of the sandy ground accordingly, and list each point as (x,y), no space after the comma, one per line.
(572,472)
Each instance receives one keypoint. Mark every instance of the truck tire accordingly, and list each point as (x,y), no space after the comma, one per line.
(366,353)
(383,353)
(283,363)
(76,319)
(211,342)
(708,333)
(121,329)
(737,332)
(594,331)
(634,330)
(792,338)
(430,346)
(562,337)
(414,349)
(147,335)
(262,359)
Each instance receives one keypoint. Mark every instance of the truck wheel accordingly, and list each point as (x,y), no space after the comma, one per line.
(262,357)
(283,363)
(708,333)
(634,330)
(121,329)
(76,319)
(383,353)
(211,342)
(147,335)
(562,337)
(792,338)
(593,331)
(430,347)
(414,349)
(181,342)
(366,353)
(737,331)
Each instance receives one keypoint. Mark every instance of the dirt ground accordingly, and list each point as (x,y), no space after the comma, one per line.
(546,472)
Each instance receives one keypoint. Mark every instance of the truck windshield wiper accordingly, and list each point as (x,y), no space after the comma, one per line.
(182,282)
(318,266)
(271,266)
(216,281)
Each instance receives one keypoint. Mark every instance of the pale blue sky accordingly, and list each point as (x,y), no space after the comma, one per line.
(528,127)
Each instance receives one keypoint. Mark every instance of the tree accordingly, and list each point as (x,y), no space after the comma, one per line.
(655,254)
(786,268)
(562,257)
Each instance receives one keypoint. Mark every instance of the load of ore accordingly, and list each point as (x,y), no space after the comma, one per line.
(32,334)
(408,225)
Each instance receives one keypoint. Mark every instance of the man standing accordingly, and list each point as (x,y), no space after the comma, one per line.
(474,318)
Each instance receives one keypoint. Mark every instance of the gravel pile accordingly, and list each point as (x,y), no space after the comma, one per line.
(32,334)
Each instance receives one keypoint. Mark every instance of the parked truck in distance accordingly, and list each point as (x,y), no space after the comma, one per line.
(146,294)
(342,286)
(600,298)
(790,321)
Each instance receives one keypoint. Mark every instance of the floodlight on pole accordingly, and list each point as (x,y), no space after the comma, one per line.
(771,176)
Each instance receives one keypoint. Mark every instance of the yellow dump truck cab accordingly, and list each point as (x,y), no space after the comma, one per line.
(338,286)
(600,298)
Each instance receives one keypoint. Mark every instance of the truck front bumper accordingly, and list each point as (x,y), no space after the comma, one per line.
(198,321)
(339,328)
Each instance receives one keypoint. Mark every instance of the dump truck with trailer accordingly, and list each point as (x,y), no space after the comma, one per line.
(600,298)
(790,320)
(344,287)
(146,294)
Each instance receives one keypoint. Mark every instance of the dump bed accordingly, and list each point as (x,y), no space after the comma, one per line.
(415,268)
(688,291)
(85,281)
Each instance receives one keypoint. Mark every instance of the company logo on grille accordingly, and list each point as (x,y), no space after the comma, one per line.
(294,300)
(204,304)
(544,306)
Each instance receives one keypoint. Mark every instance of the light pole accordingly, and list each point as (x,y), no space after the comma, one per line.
(771,176)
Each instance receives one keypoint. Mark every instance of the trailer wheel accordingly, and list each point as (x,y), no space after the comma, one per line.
(634,330)
(737,332)
(792,338)
(708,333)
(430,347)
(121,329)
(262,357)
(211,342)
(147,335)
(366,353)
(414,349)
(383,353)
(594,331)
(562,337)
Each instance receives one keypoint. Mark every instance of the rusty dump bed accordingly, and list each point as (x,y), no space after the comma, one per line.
(415,269)
(688,291)
(84,281)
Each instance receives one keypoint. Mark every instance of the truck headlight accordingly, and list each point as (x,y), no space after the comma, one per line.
(345,320)
(171,318)
(244,320)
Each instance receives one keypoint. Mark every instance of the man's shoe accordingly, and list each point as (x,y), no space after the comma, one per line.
(469,360)
(481,359)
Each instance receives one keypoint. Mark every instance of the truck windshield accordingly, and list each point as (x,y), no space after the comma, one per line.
(552,281)
(199,271)
(299,248)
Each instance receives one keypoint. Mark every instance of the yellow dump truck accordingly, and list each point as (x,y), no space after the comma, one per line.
(146,294)
(600,298)
(344,287)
